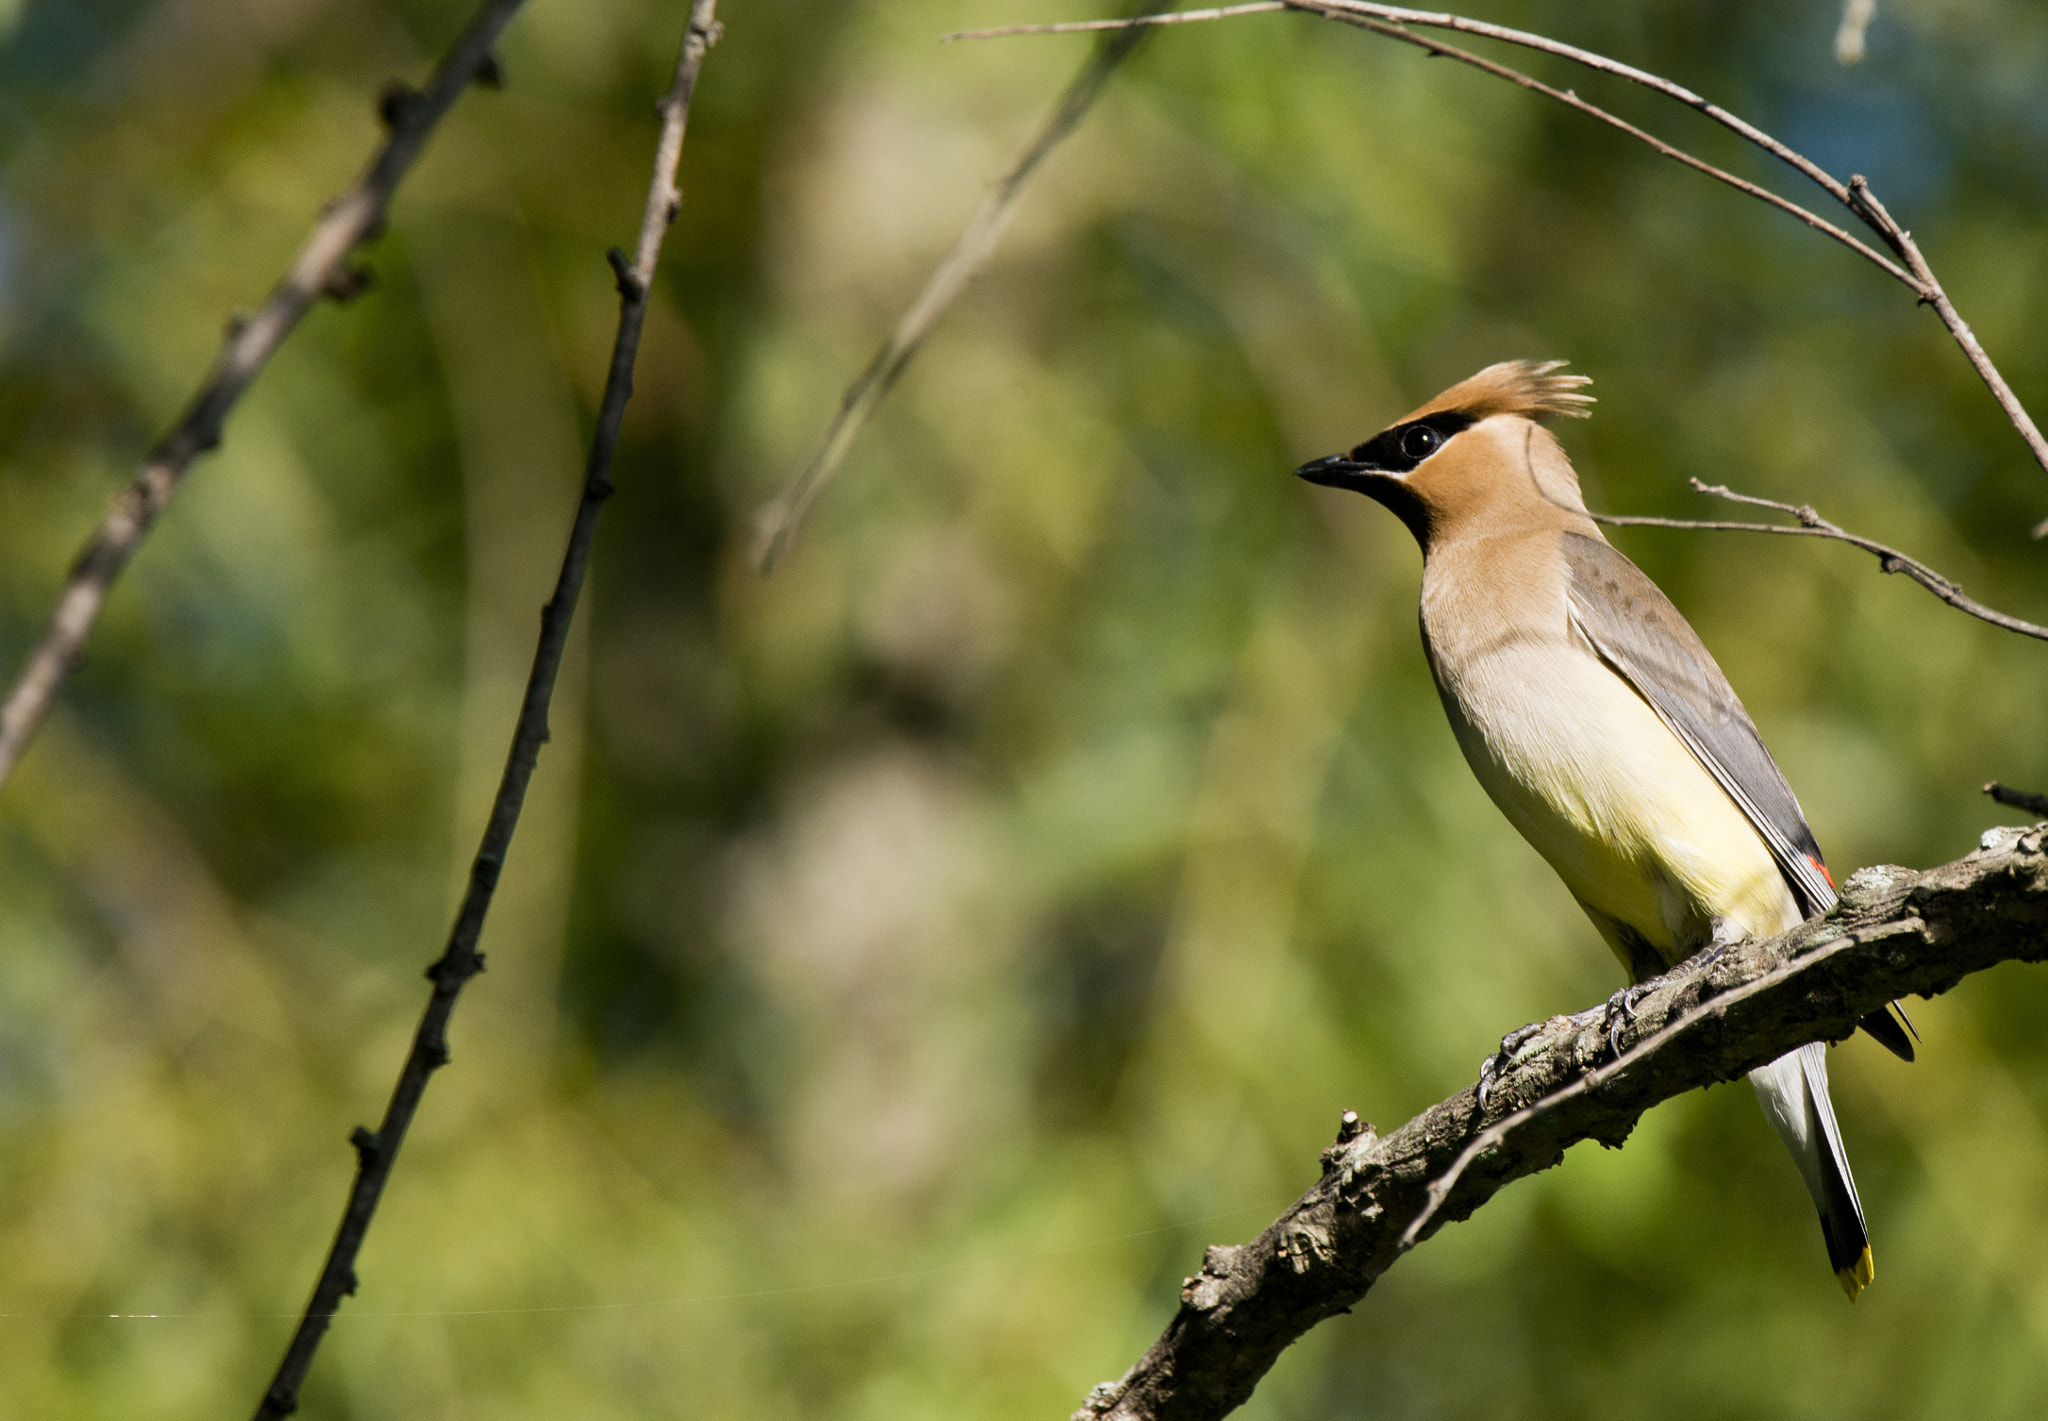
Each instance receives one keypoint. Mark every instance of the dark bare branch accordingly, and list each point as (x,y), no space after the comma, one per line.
(1812,525)
(377,1150)
(1896,933)
(1911,269)
(320,269)
(2018,798)
(779,520)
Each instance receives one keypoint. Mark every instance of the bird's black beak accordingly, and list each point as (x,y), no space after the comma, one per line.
(1337,471)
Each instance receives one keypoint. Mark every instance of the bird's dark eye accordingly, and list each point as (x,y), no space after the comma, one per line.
(1419,441)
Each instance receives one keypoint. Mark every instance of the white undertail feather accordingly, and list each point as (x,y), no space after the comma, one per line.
(1793,1091)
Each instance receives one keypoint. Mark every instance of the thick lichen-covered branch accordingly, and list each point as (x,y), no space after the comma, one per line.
(1897,933)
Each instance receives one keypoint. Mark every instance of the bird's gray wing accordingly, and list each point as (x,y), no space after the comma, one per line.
(1634,628)
(1637,632)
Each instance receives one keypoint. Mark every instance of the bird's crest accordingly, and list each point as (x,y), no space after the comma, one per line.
(1530,388)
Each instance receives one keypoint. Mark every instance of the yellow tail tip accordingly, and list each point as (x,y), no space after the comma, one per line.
(1855,1279)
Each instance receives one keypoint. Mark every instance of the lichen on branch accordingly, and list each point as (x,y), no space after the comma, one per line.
(1896,933)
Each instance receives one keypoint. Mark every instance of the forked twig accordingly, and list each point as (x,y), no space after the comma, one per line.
(778,521)
(1911,268)
(377,1150)
(1812,525)
(321,268)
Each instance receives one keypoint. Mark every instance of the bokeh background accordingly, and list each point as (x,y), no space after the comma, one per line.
(909,962)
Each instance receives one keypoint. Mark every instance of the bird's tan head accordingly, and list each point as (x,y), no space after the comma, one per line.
(1478,449)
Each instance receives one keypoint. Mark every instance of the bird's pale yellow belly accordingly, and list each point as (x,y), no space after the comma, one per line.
(1631,821)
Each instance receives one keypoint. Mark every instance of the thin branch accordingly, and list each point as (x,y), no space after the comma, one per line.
(1812,525)
(1896,933)
(778,521)
(1865,204)
(1571,100)
(1353,10)
(1165,17)
(2018,798)
(376,1151)
(1911,269)
(321,268)
(1657,83)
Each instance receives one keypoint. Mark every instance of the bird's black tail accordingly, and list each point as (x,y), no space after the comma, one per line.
(1890,1030)
(1793,1091)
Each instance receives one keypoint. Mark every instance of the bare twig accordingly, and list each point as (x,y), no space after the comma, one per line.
(1896,933)
(1350,11)
(321,268)
(376,1151)
(778,521)
(1571,100)
(1812,525)
(2018,798)
(1865,204)
(1911,269)
(1164,17)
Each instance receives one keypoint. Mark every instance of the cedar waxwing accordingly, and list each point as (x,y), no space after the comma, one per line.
(1598,722)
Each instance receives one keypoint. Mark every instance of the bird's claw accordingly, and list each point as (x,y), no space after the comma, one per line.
(1490,1069)
(1619,1012)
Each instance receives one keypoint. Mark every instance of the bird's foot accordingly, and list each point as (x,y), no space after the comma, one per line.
(1727,933)
(1706,957)
(1618,1013)
(1490,1069)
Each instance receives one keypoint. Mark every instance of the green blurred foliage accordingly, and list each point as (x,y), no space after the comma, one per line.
(909,962)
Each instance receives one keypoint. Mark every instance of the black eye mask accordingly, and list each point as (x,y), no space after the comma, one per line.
(1397,450)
